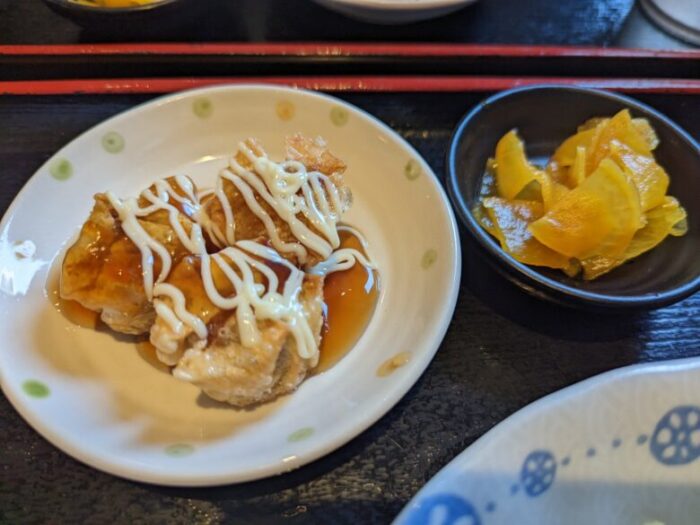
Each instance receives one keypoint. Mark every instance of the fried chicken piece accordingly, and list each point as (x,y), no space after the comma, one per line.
(314,154)
(221,365)
(228,371)
(103,270)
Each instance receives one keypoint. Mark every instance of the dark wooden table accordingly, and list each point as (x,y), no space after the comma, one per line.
(502,351)
(571,22)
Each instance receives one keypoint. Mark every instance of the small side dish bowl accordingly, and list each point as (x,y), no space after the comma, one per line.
(544,116)
(393,12)
(98,17)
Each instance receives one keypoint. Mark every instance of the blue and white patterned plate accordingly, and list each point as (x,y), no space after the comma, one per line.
(620,448)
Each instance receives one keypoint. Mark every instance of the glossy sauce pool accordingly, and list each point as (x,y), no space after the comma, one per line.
(350,298)
(71,310)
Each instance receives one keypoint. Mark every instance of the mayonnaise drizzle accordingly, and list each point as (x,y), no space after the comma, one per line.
(129,211)
(252,301)
(289,189)
(345,258)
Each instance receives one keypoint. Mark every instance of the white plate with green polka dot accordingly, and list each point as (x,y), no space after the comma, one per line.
(94,396)
(621,448)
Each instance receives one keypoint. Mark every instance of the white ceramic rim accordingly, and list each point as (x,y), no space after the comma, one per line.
(394,389)
(394,5)
(558,397)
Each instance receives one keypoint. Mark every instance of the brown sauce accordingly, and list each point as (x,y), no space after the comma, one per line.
(350,299)
(71,310)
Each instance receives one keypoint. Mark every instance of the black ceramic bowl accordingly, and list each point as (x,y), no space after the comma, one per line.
(544,117)
(159,12)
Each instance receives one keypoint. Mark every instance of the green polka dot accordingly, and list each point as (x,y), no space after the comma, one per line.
(339,116)
(179,450)
(203,107)
(429,258)
(412,170)
(300,434)
(35,389)
(61,169)
(113,142)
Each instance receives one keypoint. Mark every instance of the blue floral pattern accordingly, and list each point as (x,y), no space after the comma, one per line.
(676,438)
(538,472)
(675,441)
(444,509)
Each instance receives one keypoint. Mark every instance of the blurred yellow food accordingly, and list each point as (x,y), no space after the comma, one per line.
(600,201)
(114,3)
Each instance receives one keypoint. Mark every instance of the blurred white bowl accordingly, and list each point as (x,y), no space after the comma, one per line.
(394,11)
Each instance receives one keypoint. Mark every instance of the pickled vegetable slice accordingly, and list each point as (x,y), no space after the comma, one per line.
(646,131)
(650,179)
(601,131)
(661,222)
(511,219)
(577,174)
(513,171)
(557,172)
(552,192)
(565,155)
(599,217)
(592,123)
(598,265)
(619,128)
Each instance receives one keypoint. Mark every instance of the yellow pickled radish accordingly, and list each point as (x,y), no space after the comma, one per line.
(600,201)
(619,128)
(650,179)
(594,267)
(557,172)
(661,222)
(578,170)
(565,155)
(513,171)
(646,131)
(511,219)
(592,123)
(599,217)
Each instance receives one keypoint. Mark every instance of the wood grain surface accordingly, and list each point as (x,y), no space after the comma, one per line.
(502,351)
(570,22)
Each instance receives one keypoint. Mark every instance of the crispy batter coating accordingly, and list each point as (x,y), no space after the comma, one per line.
(103,272)
(222,367)
(244,375)
(314,154)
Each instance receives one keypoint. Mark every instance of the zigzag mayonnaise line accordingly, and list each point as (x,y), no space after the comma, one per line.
(289,190)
